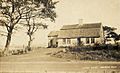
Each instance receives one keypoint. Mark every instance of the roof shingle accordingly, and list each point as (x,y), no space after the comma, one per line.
(76,30)
(77,26)
(53,34)
(74,33)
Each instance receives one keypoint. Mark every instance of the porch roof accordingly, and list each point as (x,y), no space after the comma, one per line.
(53,34)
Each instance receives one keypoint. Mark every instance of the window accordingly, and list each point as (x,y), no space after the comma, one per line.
(68,41)
(87,41)
(64,41)
(92,40)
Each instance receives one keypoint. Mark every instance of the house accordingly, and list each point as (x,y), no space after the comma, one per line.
(76,35)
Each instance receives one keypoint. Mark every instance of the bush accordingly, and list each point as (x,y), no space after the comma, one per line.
(101,52)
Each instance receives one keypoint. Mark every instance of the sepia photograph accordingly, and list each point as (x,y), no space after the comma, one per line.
(59,36)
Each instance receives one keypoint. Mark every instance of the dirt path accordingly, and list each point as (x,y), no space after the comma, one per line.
(37,55)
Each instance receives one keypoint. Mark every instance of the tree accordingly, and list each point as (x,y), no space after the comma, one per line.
(45,13)
(32,27)
(109,33)
(108,29)
(13,11)
(113,35)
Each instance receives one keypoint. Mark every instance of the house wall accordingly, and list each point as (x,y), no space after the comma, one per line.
(83,40)
(102,35)
(74,42)
(96,40)
(60,42)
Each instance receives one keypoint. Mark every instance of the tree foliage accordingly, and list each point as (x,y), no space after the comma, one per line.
(13,11)
(32,24)
(113,35)
(110,33)
(108,29)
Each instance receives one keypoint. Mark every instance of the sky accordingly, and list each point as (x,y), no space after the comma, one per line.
(69,12)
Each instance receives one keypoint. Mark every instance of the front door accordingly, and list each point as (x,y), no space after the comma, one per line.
(78,41)
(51,42)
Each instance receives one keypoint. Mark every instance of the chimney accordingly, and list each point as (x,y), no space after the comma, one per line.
(80,21)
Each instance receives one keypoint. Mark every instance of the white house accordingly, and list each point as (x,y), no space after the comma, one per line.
(76,35)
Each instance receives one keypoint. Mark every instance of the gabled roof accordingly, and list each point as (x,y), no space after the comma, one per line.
(75,33)
(74,26)
(91,25)
(77,26)
(53,34)
(76,30)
